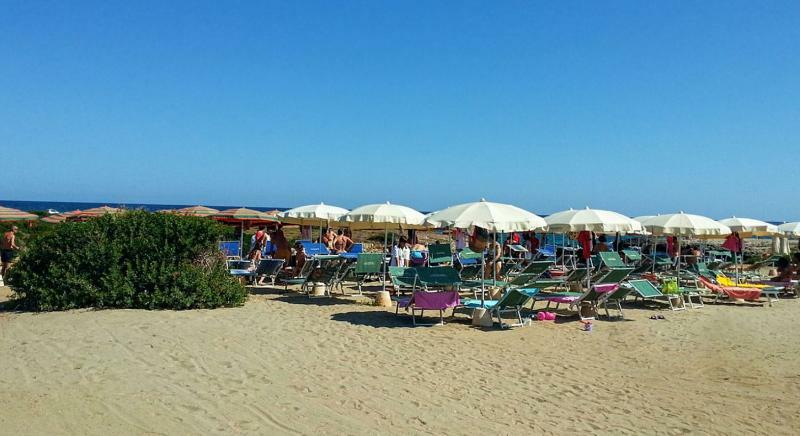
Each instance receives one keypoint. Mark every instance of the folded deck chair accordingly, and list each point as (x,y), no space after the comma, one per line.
(646,290)
(424,300)
(511,302)
(403,279)
(748,294)
(439,253)
(438,277)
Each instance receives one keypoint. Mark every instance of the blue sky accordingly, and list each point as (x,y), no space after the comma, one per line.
(638,107)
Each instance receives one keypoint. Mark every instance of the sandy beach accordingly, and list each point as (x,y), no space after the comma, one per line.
(290,365)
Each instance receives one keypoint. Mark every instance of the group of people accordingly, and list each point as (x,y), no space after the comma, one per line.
(337,242)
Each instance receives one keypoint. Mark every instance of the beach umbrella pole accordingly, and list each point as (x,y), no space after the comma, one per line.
(385,240)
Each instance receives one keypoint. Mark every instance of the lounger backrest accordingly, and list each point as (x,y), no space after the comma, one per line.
(369,263)
(513,298)
(620,293)
(644,288)
(403,276)
(229,248)
(439,253)
(632,255)
(239,264)
(438,276)
(357,248)
(611,259)
(577,275)
(268,267)
(614,276)
(537,267)
(315,249)
(469,257)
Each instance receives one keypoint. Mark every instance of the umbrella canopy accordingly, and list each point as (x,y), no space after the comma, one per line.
(244,215)
(792,229)
(593,220)
(9,214)
(197,211)
(750,227)
(495,217)
(313,214)
(80,215)
(383,216)
(684,224)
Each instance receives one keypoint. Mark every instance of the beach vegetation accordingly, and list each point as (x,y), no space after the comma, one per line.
(131,260)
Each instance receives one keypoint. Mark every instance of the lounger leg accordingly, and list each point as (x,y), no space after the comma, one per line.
(441,316)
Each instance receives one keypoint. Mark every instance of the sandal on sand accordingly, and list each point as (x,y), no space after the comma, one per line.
(661,317)
(653,317)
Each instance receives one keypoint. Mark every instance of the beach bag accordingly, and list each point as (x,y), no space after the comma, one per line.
(479,239)
(670,286)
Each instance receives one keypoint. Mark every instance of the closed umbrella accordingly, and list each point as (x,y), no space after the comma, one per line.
(10,214)
(495,217)
(383,216)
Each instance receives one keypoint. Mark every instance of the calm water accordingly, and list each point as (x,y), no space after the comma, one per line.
(63,206)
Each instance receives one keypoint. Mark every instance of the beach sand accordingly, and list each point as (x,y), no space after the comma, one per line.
(290,365)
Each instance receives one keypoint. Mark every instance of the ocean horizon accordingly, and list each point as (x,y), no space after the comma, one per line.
(67,206)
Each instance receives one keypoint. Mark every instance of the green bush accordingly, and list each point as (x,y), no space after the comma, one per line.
(131,260)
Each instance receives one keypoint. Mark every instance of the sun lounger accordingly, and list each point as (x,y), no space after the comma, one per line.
(424,300)
(231,249)
(269,268)
(748,294)
(438,277)
(632,256)
(511,302)
(611,260)
(439,254)
(615,299)
(403,279)
(367,264)
(646,290)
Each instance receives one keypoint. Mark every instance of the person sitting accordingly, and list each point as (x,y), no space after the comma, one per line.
(601,245)
(328,238)
(299,259)
(342,243)
(785,270)
(281,244)
(496,259)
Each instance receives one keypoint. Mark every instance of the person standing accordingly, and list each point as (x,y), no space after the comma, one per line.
(8,249)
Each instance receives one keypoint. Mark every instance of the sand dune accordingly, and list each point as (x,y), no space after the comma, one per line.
(287,365)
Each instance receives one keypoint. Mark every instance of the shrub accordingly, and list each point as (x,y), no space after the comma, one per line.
(131,260)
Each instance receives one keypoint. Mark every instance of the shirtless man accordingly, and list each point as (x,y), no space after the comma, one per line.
(8,246)
(342,243)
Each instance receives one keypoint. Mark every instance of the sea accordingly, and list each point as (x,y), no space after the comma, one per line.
(65,206)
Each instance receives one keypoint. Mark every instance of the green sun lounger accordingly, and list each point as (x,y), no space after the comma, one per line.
(511,302)
(439,253)
(611,259)
(646,290)
(403,278)
(438,277)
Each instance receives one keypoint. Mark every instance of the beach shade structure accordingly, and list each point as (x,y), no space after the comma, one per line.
(83,215)
(590,220)
(313,215)
(10,214)
(684,224)
(244,217)
(790,229)
(60,217)
(383,216)
(494,217)
(747,227)
(201,211)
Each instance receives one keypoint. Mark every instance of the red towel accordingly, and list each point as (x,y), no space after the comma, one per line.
(585,239)
(750,294)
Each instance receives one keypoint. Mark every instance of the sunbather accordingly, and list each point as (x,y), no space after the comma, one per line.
(342,243)
(299,258)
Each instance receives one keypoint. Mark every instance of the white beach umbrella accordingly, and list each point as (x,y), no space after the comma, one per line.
(593,220)
(750,227)
(684,224)
(791,229)
(383,216)
(495,217)
(312,214)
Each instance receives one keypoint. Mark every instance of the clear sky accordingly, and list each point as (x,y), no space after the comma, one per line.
(635,106)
